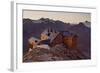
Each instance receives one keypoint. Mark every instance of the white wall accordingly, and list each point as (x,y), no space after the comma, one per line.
(5,33)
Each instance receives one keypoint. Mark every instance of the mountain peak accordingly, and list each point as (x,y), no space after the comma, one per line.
(81,24)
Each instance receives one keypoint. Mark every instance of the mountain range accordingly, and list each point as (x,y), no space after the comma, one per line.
(36,27)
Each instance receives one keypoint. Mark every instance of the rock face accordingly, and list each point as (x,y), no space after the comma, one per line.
(56,52)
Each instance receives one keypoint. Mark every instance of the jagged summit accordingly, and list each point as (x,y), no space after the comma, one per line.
(48,20)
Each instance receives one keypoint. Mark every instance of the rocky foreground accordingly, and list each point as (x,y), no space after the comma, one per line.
(56,53)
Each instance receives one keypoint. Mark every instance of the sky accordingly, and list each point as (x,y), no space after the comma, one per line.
(67,17)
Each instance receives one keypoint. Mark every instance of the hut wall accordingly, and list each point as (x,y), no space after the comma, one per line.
(70,42)
(74,43)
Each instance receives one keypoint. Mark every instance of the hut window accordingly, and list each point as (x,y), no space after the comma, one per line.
(36,41)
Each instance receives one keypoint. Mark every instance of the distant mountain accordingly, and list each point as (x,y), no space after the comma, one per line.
(36,27)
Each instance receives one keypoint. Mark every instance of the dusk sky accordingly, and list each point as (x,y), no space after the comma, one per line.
(68,17)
